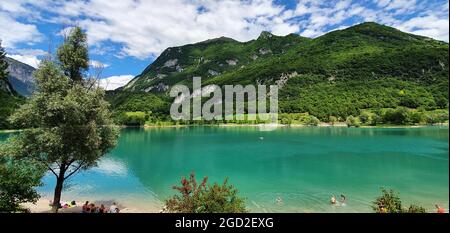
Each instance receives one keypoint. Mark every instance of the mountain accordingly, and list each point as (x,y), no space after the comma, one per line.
(21,77)
(338,74)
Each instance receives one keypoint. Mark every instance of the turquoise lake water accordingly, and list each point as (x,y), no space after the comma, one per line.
(303,166)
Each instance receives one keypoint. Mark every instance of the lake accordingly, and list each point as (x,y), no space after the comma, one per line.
(303,166)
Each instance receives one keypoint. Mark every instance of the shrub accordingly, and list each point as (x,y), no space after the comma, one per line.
(333,120)
(312,121)
(416,209)
(133,118)
(365,118)
(396,116)
(203,198)
(353,121)
(389,202)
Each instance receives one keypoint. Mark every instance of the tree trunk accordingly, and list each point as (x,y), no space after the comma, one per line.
(58,190)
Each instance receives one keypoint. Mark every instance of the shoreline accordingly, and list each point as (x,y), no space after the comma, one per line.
(336,125)
(322,124)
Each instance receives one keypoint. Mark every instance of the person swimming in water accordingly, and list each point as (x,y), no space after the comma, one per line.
(279,200)
(343,199)
(333,200)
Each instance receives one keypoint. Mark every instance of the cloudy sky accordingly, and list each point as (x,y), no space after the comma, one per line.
(127,35)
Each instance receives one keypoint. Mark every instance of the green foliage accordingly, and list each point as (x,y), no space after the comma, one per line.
(396,116)
(3,63)
(333,120)
(18,178)
(353,121)
(415,209)
(68,126)
(133,118)
(65,124)
(203,198)
(9,103)
(73,55)
(389,202)
(312,121)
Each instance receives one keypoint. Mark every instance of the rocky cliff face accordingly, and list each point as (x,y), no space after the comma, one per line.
(21,77)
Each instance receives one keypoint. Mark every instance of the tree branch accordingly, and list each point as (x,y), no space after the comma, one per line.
(73,172)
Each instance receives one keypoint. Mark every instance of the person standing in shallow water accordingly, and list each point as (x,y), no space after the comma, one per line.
(440,210)
(333,200)
(343,200)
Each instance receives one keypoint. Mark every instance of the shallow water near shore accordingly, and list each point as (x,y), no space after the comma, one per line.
(302,166)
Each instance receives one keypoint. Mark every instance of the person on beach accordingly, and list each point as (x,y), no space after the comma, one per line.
(113,209)
(85,207)
(333,200)
(93,208)
(102,209)
(440,210)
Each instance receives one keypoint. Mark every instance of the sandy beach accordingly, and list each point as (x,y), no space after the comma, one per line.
(42,206)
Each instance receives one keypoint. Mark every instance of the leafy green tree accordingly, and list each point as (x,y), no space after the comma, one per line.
(73,55)
(3,63)
(18,179)
(68,125)
(203,198)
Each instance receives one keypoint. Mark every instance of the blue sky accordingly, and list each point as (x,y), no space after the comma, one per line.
(127,35)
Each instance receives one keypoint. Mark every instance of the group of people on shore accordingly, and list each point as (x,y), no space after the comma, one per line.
(91,208)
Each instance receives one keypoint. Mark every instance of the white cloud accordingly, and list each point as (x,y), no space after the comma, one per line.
(13,32)
(95,63)
(115,82)
(143,29)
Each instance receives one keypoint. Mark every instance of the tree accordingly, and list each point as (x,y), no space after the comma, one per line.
(73,55)
(203,198)
(3,63)
(18,178)
(68,125)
